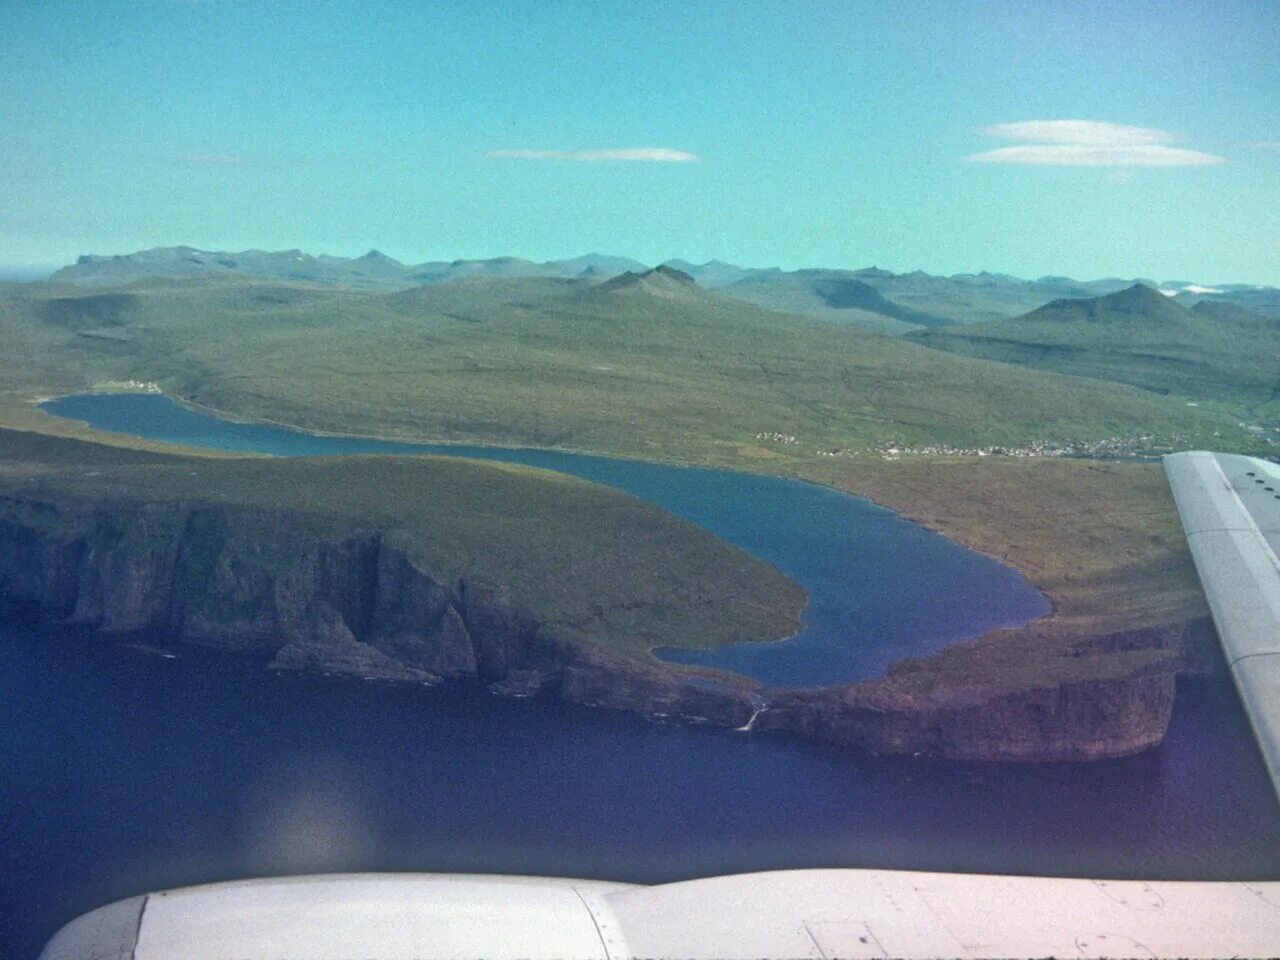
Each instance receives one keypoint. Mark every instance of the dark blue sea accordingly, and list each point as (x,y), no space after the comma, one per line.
(123,771)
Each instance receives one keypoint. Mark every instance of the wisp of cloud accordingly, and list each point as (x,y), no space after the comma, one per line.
(1089,143)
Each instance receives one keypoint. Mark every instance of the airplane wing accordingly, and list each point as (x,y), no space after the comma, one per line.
(796,913)
(1230,509)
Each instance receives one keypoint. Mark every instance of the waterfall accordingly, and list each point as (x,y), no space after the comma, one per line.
(761,706)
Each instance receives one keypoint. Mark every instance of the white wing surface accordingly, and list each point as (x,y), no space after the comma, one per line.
(1230,508)
(800,913)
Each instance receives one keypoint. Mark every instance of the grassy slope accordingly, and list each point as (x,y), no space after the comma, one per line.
(692,382)
(596,563)
(1140,337)
(964,301)
(792,293)
(675,374)
(959,300)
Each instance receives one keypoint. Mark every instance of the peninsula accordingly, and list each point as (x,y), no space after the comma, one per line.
(427,569)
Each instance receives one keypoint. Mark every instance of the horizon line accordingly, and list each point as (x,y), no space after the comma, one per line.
(37,271)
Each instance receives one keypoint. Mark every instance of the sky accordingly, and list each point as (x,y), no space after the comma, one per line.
(1132,139)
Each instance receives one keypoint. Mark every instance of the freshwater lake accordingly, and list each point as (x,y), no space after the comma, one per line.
(861,565)
(122,772)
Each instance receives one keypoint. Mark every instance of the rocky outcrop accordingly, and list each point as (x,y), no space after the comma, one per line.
(314,598)
(595,678)
(1122,709)
(311,595)
(1193,642)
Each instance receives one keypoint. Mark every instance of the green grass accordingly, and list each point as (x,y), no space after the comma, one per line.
(593,563)
(1213,352)
(671,374)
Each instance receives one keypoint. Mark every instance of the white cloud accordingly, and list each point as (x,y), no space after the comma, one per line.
(631,154)
(1089,143)
(1268,144)
(213,159)
(1084,155)
(1078,132)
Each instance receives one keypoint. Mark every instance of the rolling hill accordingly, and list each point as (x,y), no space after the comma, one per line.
(654,366)
(871,298)
(838,295)
(1212,351)
(645,364)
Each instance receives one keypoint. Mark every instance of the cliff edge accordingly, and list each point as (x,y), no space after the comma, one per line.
(207,552)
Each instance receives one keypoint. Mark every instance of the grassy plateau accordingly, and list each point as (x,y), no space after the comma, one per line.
(590,562)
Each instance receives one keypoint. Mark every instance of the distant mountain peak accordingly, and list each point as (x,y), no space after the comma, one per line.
(1135,303)
(670,273)
(713,274)
(661,280)
(1137,289)
(1138,297)
(377,256)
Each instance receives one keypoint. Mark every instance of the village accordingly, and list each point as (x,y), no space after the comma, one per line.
(1143,447)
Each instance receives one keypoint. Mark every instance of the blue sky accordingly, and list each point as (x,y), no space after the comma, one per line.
(903,134)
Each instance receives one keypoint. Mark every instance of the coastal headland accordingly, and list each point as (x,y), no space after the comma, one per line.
(299,562)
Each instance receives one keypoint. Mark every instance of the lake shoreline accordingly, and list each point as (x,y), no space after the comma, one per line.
(1088,708)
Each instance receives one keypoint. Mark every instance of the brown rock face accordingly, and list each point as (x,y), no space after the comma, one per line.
(595,678)
(266,582)
(1115,715)
(342,601)
(1194,643)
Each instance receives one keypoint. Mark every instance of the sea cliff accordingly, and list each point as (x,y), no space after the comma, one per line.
(347,601)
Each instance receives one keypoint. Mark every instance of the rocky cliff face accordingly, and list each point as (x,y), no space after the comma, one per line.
(1115,714)
(334,601)
(1193,642)
(314,597)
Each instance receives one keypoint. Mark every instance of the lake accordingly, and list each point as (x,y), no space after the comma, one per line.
(122,771)
(863,566)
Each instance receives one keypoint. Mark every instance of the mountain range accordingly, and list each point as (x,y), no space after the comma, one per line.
(870,297)
(1211,350)
(645,363)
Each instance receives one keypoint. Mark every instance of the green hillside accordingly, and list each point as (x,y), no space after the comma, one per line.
(898,302)
(870,297)
(835,295)
(647,365)
(1213,351)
